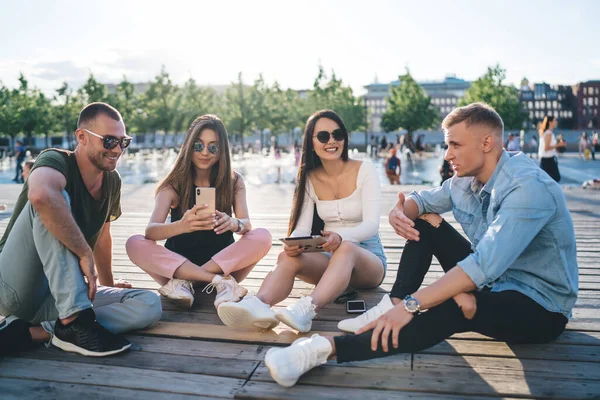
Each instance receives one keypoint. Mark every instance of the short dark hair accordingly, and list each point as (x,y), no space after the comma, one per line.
(92,110)
(474,114)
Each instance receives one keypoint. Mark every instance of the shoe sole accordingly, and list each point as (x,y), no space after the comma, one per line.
(184,304)
(239,318)
(283,317)
(71,348)
(273,373)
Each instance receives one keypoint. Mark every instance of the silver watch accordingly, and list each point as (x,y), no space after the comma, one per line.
(240,226)
(412,305)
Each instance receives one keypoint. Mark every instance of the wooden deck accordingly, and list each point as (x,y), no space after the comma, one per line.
(191,354)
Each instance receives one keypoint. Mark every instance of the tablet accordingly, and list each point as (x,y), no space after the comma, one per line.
(310,243)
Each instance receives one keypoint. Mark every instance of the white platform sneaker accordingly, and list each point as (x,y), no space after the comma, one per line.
(286,365)
(353,324)
(250,313)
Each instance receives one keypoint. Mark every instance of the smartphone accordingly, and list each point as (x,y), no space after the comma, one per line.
(356,306)
(206,195)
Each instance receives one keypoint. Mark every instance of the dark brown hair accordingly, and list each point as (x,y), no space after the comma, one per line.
(181,177)
(309,161)
(92,110)
(545,124)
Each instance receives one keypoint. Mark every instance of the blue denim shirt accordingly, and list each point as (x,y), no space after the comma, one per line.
(520,230)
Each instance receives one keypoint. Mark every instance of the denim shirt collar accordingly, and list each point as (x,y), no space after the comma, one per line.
(478,188)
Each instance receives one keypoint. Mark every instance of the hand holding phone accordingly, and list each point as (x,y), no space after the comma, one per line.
(196,219)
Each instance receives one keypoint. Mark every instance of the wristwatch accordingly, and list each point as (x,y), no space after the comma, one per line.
(412,305)
(240,226)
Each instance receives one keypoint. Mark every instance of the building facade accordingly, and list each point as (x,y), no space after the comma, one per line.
(588,105)
(444,95)
(541,99)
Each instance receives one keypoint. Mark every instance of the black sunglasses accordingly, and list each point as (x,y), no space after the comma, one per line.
(212,148)
(338,135)
(110,142)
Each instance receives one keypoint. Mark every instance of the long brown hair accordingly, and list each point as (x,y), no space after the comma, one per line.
(545,124)
(182,175)
(309,161)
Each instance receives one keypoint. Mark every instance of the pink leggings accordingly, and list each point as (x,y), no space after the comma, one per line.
(160,263)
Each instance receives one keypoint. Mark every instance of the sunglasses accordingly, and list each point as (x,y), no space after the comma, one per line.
(338,135)
(212,148)
(110,142)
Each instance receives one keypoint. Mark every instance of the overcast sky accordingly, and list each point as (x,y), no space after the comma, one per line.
(55,41)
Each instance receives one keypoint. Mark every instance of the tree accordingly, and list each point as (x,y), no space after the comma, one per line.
(332,94)
(194,101)
(32,111)
(239,111)
(490,89)
(160,103)
(68,104)
(93,91)
(409,108)
(124,100)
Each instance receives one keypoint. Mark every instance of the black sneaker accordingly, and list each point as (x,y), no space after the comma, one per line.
(14,336)
(86,336)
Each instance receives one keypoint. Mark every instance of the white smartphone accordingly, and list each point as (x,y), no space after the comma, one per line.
(206,195)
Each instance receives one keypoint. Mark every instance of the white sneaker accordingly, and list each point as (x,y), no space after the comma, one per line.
(353,324)
(179,292)
(227,289)
(287,365)
(250,313)
(298,315)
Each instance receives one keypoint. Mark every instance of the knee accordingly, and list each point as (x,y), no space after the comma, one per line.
(132,244)
(346,249)
(288,262)
(467,304)
(432,219)
(150,310)
(262,238)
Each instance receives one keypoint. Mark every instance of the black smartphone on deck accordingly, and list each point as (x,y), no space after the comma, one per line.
(356,306)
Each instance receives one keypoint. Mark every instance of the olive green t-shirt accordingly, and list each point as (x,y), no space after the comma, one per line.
(89,214)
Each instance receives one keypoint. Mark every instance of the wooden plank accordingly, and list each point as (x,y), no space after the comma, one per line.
(221,332)
(19,389)
(456,382)
(266,390)
(195,364)
(119,377)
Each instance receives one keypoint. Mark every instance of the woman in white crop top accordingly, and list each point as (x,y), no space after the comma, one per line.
(548,145)
(347,196)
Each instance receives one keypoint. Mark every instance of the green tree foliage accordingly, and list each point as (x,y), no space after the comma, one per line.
(332,94)
(93,91)
(67,105)
(409,107)
(239,112)
(490,89)
(160,103)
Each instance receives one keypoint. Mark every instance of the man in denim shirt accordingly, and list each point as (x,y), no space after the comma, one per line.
(515,280)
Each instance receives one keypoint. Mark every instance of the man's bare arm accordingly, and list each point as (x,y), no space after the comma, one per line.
(103,256)
(45,194)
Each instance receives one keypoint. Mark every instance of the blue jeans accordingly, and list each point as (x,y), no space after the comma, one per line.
(40,280)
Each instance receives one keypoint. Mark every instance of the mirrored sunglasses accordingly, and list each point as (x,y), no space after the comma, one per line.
(212,148)
(338,135)
(110,142)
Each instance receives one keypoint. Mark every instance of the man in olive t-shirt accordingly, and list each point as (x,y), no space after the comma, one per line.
(58,235)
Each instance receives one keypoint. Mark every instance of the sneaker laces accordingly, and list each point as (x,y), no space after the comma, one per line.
(304,306)
(188,285)
(219,285)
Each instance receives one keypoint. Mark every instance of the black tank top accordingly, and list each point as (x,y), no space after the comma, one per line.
(198,246)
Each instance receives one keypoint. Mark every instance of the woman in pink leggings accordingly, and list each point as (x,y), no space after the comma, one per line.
(200,246)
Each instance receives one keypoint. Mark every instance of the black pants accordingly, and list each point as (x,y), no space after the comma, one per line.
(550,165)
(508,316)
(18,172)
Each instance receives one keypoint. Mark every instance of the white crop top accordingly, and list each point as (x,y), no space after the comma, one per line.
(542,152)
(355,218)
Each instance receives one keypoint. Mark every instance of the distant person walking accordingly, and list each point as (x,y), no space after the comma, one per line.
(393,167)
(19,158)
(595,145)
(548,147)
(584,146)
(533,146)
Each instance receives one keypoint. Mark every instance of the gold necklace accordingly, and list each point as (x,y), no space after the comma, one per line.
(336,193)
